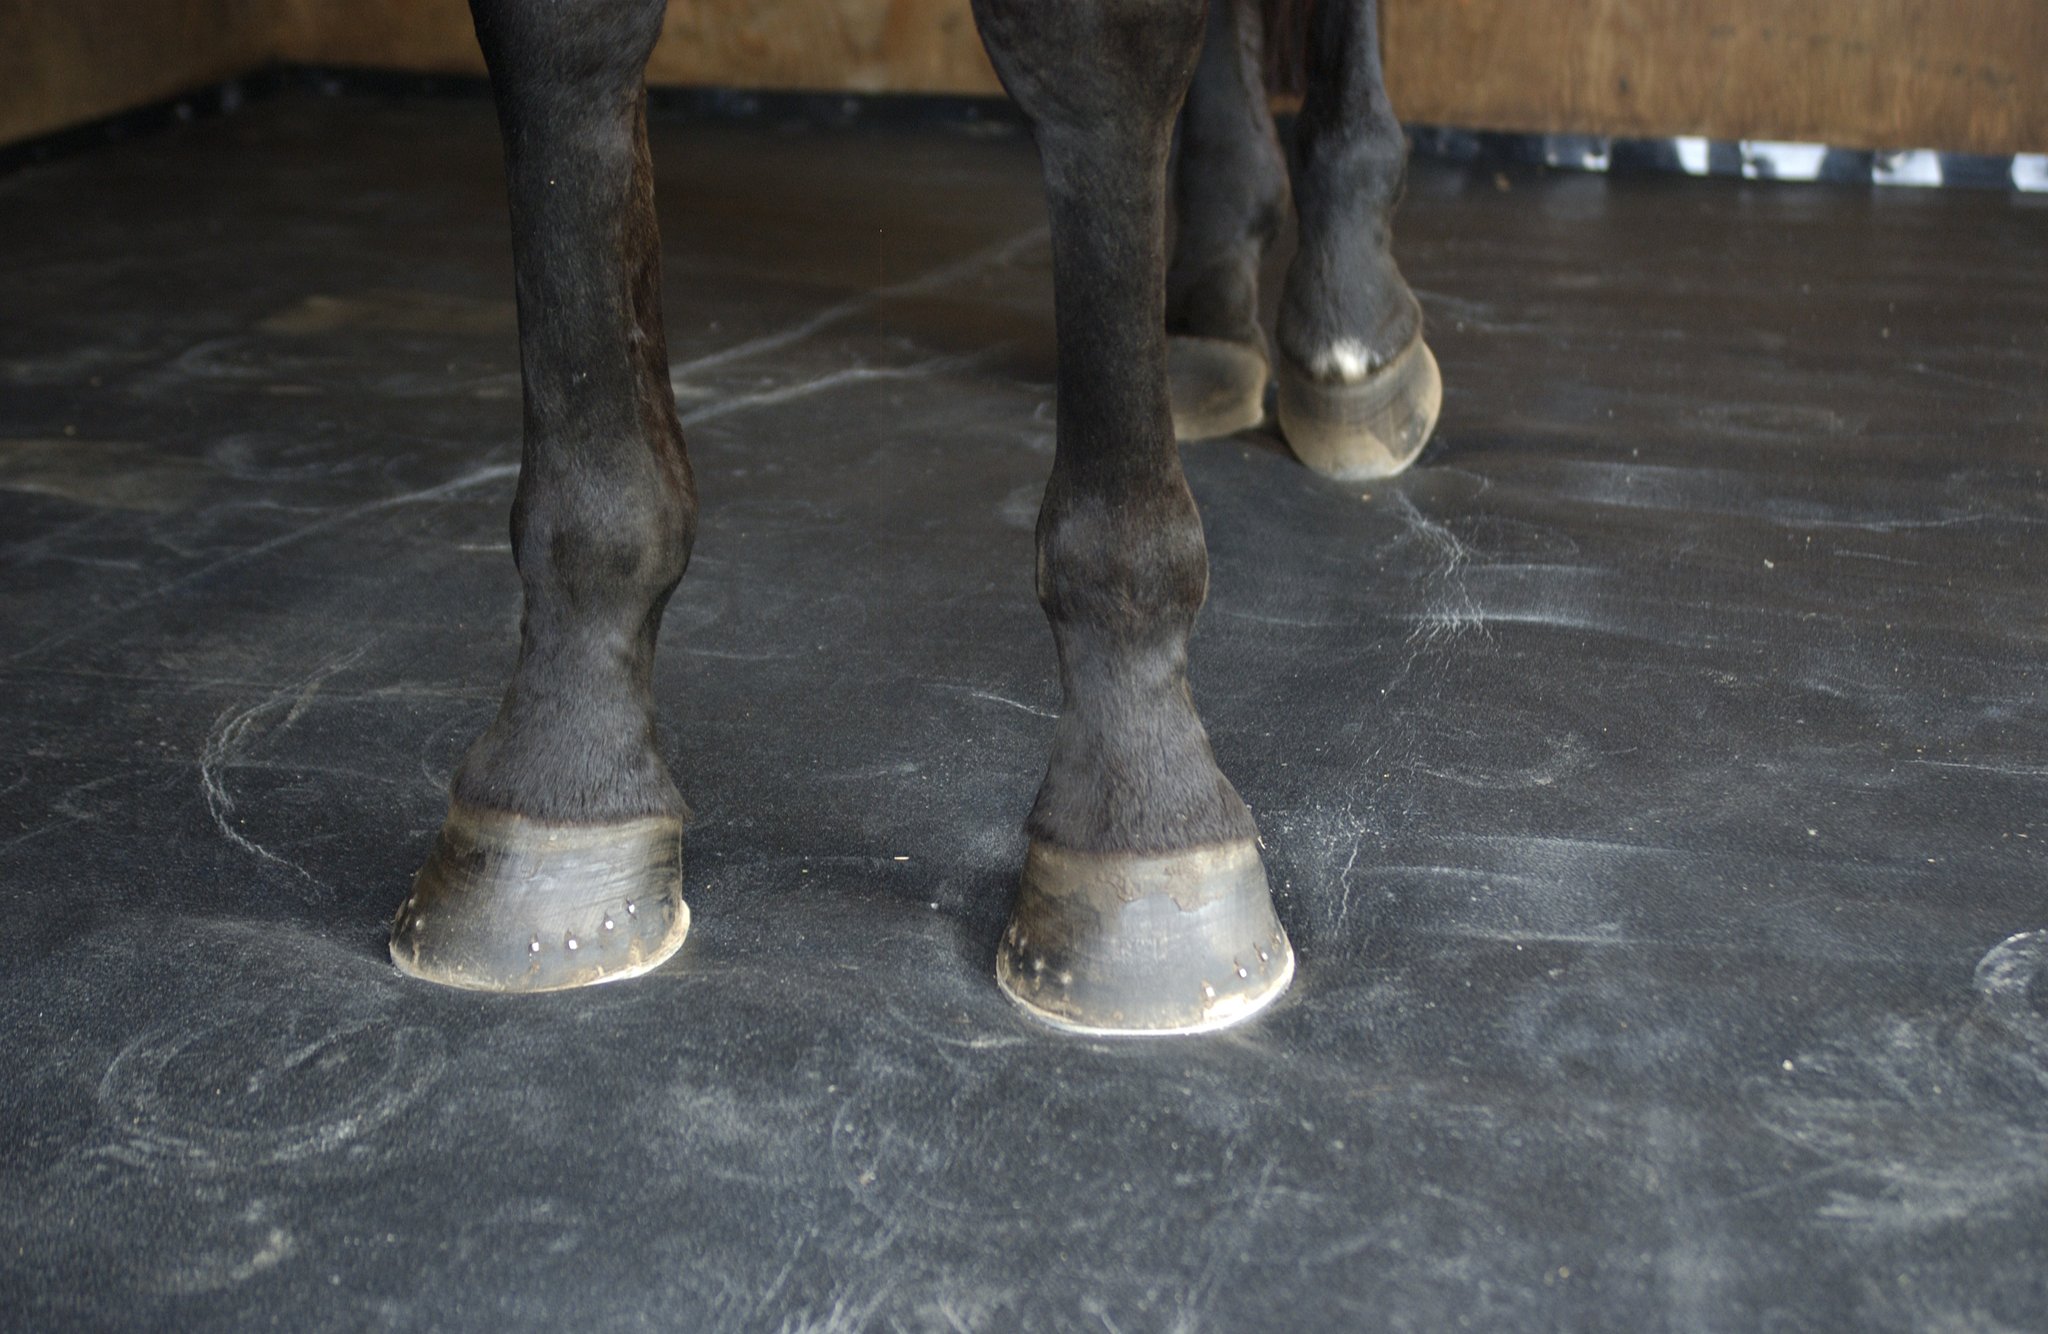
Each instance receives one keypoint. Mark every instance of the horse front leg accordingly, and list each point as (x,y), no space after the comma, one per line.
(1144,906)
(1358,388)
(560,861)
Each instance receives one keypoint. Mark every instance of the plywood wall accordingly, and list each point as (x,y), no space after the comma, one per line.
(1969,75)
(64,62)
(1965,75)
(418,35)
(925,46)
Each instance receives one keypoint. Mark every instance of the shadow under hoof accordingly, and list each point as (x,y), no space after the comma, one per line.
(505,903)
(1126,944)
(1217,385)
(1362,429)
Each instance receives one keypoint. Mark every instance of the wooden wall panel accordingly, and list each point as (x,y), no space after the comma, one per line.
(821,45)
(1958,74)
(421,36)
(64,62)
(1967,75)
(859,45)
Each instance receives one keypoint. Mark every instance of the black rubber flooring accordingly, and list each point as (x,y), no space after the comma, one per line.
(1652,781)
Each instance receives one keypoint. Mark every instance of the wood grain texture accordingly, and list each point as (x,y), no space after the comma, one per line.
(431,36)
(1965,75)
(858,45)
(65,62)
(926,46)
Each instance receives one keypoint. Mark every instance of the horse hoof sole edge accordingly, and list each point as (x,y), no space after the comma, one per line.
(1217,386)
(1133,944)
(505,903)
(1364,429)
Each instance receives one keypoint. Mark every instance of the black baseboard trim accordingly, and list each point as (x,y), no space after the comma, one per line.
(1691,156)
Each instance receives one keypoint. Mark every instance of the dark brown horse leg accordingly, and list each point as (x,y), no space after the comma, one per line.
(560,862)
(1230,196)
(1359,390)
(1144,907)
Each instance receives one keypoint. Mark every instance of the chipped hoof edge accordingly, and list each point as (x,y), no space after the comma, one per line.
(505,903)
(1131,945)
(1359,430)
(1217,385)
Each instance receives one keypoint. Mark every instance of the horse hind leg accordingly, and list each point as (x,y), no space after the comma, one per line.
(559,864)
(1144,907)
(1231,201)
(1359,390)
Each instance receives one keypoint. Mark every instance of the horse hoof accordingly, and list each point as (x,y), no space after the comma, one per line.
(1366,428)
(1218,386)
(505,903)
(1116,944)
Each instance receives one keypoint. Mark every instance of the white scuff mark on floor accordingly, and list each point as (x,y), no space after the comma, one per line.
(1225,1245)
(107,474)
(1846,554)
(1924,1123)
(995,256)
(1344,879)
(1598,934)
(455,486)
(735,655)
(394,310)
(974,692)
(1452,610)
(66,807)
(1898,525)
(227,743)
(2003,770)
(215,1271)
(830,380)
(1969,381)
(1291,622)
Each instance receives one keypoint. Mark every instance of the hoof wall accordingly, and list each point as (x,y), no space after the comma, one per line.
(1218,386)
(505,903)
(1367,428)
(1122,944)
